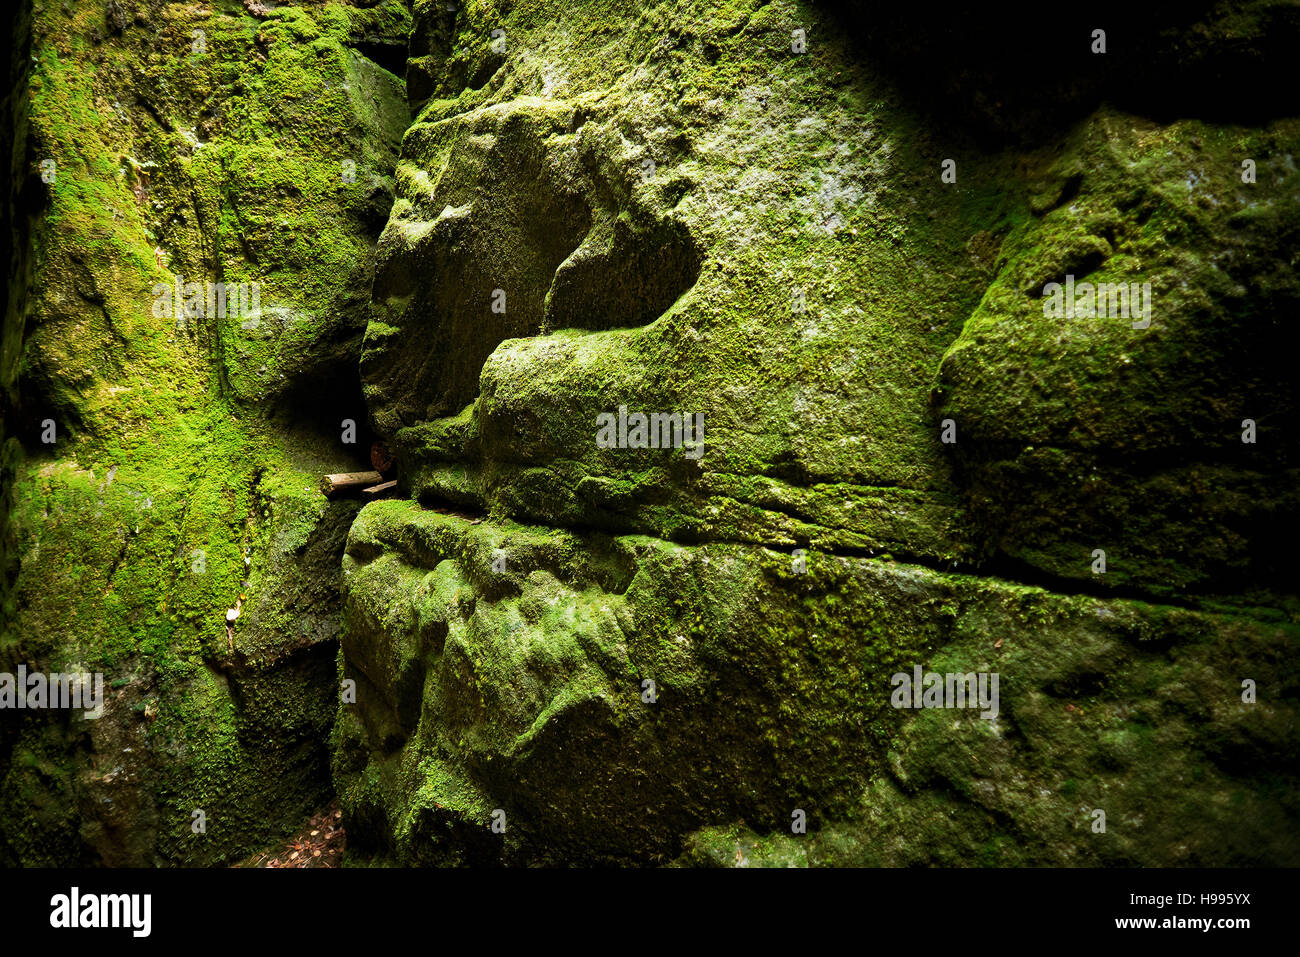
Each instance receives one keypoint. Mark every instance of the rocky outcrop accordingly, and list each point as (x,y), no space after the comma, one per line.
(725,360)
(1161,440)
(163,462)
(906,460)
(600,697)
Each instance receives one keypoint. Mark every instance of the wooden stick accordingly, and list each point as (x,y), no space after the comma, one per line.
(378,491)
(348,481)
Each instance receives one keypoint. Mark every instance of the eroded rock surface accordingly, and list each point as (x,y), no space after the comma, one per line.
(184,144)
(553,648)
(844,307)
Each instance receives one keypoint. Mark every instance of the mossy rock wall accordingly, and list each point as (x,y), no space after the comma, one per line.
(502,670)
(846,313)
(173,143)
(475,230)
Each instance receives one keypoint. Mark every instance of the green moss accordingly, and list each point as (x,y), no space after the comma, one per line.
(169,497)
(1082,433)
(1118,706)
(787,180)
(685,216)
(834,441)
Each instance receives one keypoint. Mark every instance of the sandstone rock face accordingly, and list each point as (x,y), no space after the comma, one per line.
(1088,432)
(194,145)
(565,651)
(723,357)
(523,693)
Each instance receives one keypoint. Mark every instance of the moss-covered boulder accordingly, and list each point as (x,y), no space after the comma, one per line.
(1129,735)
(604,695)
(1157,429)
(693,220)
(527,695)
